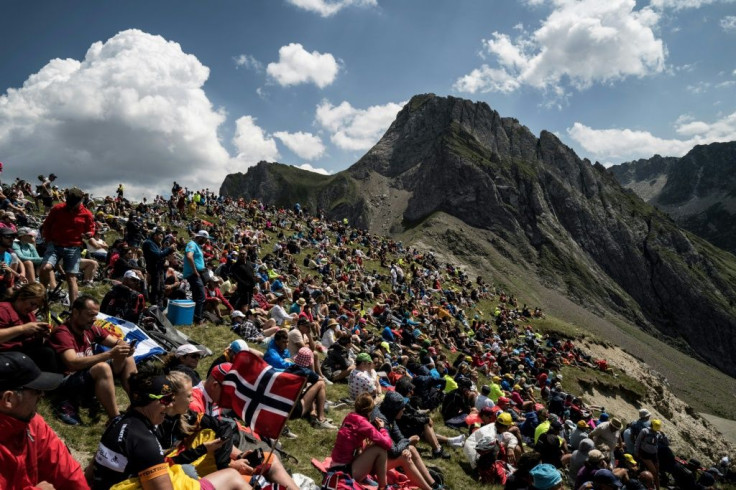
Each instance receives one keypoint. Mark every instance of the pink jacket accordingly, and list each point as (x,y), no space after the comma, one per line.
(353,431)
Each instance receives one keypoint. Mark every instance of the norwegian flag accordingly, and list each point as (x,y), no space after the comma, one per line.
(260,395)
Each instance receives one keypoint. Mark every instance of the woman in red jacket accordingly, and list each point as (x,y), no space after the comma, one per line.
(349,456)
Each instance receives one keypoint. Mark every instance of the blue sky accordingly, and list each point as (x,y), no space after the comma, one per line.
(147,92)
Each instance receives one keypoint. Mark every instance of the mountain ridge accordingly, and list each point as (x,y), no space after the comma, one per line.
(568,219)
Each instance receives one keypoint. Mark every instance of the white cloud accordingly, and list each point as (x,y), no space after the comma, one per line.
(728,23)
(356,129)
(309,168)
(132,110)
(627,144)
(296,65)
(581,42)
(306,145)
(327,8)
(248,61)
(253,143)
(683,4)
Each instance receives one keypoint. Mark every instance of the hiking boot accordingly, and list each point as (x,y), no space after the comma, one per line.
(68,414)
(440,453)
(288,433)
(323,424)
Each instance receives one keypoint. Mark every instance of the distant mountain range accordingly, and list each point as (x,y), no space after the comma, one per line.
(698,190)
(533,202)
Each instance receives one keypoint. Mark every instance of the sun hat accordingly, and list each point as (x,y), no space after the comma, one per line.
(595,456)
(304,358)
(130,274)
(17,370)
(616,423)
(644,413)
(545,476)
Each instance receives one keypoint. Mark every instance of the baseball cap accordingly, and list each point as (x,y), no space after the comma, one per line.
(644,413)
(187,349)
(363,357)
(656,425)
(237,346)
(17,370)
(147,389)
(130,274)
(202,234)
(218,372)
(237,314)
(606,477)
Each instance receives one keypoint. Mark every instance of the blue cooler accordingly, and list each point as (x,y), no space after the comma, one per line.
(181,312)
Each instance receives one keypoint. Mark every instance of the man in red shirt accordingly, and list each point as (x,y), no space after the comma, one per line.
(63,230)
(31,454)
(84,370)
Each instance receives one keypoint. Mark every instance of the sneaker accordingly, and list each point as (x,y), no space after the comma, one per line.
(457,441)
(440,453)
(288,433)
(328,382)
(335,405)
(323,424)
(68,414)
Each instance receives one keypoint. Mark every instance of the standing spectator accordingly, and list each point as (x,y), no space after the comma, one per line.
(244,274)
(45,191)
(155,257)
(64,228)
(647,447)
(608,433)
(31,454)
(194,267)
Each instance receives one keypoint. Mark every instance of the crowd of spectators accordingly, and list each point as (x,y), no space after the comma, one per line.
(312,297)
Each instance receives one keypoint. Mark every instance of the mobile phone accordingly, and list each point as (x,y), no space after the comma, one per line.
(133,343)
(255,458)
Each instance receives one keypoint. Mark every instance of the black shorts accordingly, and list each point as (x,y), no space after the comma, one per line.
(47,201)
(297,412)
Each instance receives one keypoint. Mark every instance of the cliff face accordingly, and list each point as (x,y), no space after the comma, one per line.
(568,219)
(698,190)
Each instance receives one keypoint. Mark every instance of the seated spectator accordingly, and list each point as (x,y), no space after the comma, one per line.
(277,354)
(31,454)
(182,424)
(546,477)
(230,352)
(311,403)
(329,336)
(19,329)
(458,404)
(360,380)
(129,451)
(214,300)
(25,249)
(403,451)
(337,366)
(350,451)
(125,300)
(97,247)
(279,314)
(185,359)
(87,373)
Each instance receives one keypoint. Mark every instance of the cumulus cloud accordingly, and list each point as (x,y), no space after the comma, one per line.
(132,110)
(306,145)
(248,61)
(327,8)
(581,42)
(356,129)
(728,23)
(253,143)
(309,168)
(683,4)
(296,65)
(627,144)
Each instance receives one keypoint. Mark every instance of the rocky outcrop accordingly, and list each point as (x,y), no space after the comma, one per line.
(563,216)
(698,190)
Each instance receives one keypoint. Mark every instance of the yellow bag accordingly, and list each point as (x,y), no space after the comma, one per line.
(179,480)
(206,464)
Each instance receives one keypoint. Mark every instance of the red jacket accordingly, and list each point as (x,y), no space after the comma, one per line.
(31,453)
(64,228)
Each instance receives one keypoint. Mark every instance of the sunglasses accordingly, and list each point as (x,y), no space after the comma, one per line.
(163,399)
(195,356)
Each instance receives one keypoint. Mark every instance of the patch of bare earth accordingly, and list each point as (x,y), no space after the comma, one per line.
(690,434)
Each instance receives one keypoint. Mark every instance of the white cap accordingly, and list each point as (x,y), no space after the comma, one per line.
(185,349)
(238,346)
(130,274)
(202,234)
(237,314)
